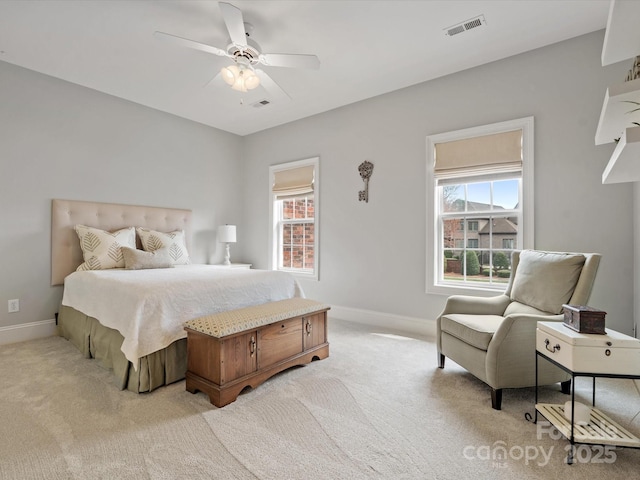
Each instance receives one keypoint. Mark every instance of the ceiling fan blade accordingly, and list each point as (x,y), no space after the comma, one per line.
(290,60)
(235,23)
(217,79)
(271,86)
(167,37)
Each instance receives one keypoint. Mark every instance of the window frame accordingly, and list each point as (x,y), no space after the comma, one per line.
(282,223)
(434,261)
(275,223)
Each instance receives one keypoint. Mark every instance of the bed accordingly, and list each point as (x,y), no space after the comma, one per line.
(131,321)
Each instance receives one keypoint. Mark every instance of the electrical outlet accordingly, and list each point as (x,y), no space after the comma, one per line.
(14,305)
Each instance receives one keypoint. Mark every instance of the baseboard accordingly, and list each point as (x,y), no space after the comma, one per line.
(387,321)
(390,322)
(27,331)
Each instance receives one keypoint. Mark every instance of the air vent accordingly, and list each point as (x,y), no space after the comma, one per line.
(262,103)
(466,25)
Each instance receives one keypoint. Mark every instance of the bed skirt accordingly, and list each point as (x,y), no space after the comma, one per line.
(96,341)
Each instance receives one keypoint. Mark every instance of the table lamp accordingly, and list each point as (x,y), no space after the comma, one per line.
(227,235)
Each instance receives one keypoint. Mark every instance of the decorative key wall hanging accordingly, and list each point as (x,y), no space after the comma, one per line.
(365,169)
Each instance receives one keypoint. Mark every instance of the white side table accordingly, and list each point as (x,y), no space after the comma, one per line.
(234,265)
(613,355)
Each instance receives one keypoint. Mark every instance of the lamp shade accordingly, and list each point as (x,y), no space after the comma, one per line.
(227,234)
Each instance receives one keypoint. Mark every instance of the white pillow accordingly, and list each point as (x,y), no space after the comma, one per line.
(173,241)
(135,259)
(103,250)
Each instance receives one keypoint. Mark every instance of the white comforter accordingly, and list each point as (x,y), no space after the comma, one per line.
(149,307)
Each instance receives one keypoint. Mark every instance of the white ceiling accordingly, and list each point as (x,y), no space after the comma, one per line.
(366,48)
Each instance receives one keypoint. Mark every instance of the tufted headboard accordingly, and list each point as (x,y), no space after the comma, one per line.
(66,254)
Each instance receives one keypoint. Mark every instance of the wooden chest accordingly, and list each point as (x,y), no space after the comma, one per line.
(612,353)
(229,351)
(584,319)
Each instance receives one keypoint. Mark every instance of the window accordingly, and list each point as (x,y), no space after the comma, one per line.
(296,231)
(294,211)
(481,208)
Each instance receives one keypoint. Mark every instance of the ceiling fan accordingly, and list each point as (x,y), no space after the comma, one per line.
(242,75)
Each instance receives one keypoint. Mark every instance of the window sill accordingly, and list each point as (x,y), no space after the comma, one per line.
(453,289)
(299,274)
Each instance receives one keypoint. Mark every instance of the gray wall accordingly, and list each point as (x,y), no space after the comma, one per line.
(373,255)
(59,140)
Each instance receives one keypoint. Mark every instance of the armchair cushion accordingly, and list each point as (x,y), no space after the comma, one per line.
(518,308)
(475,330)
(546,280)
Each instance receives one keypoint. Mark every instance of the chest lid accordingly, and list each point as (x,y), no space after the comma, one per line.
(611,339)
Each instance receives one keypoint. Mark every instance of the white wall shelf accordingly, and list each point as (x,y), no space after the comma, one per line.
(622,37)
(621,42)
(614,117)
(624,165)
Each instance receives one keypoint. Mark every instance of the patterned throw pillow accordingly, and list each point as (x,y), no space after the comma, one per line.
(102,250)
(173,241)
(139,259)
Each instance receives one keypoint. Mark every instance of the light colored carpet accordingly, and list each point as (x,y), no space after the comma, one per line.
(376,408)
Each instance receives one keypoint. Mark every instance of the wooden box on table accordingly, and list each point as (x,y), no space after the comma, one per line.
(584,319)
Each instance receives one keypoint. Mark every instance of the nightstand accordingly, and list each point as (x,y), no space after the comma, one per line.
(234,265)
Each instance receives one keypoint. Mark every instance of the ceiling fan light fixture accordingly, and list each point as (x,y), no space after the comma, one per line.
(251,80)
(230,74)
(240,78)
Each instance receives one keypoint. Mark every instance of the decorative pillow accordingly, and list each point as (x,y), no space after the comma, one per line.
(135,259)
(102,250)
(173,241)
(546,280)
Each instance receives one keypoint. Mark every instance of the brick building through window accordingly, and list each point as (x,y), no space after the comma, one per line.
(298,228)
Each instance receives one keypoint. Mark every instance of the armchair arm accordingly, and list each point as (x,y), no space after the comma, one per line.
(511,353)
(466,304)
(476,305)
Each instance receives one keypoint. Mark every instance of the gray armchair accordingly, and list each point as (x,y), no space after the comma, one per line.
(494,338)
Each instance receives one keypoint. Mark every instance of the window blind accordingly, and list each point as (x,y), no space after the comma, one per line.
(293,182)
(482,155)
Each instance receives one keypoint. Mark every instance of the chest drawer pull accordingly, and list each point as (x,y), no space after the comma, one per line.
(552,350)
(309,326)
(252,346)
